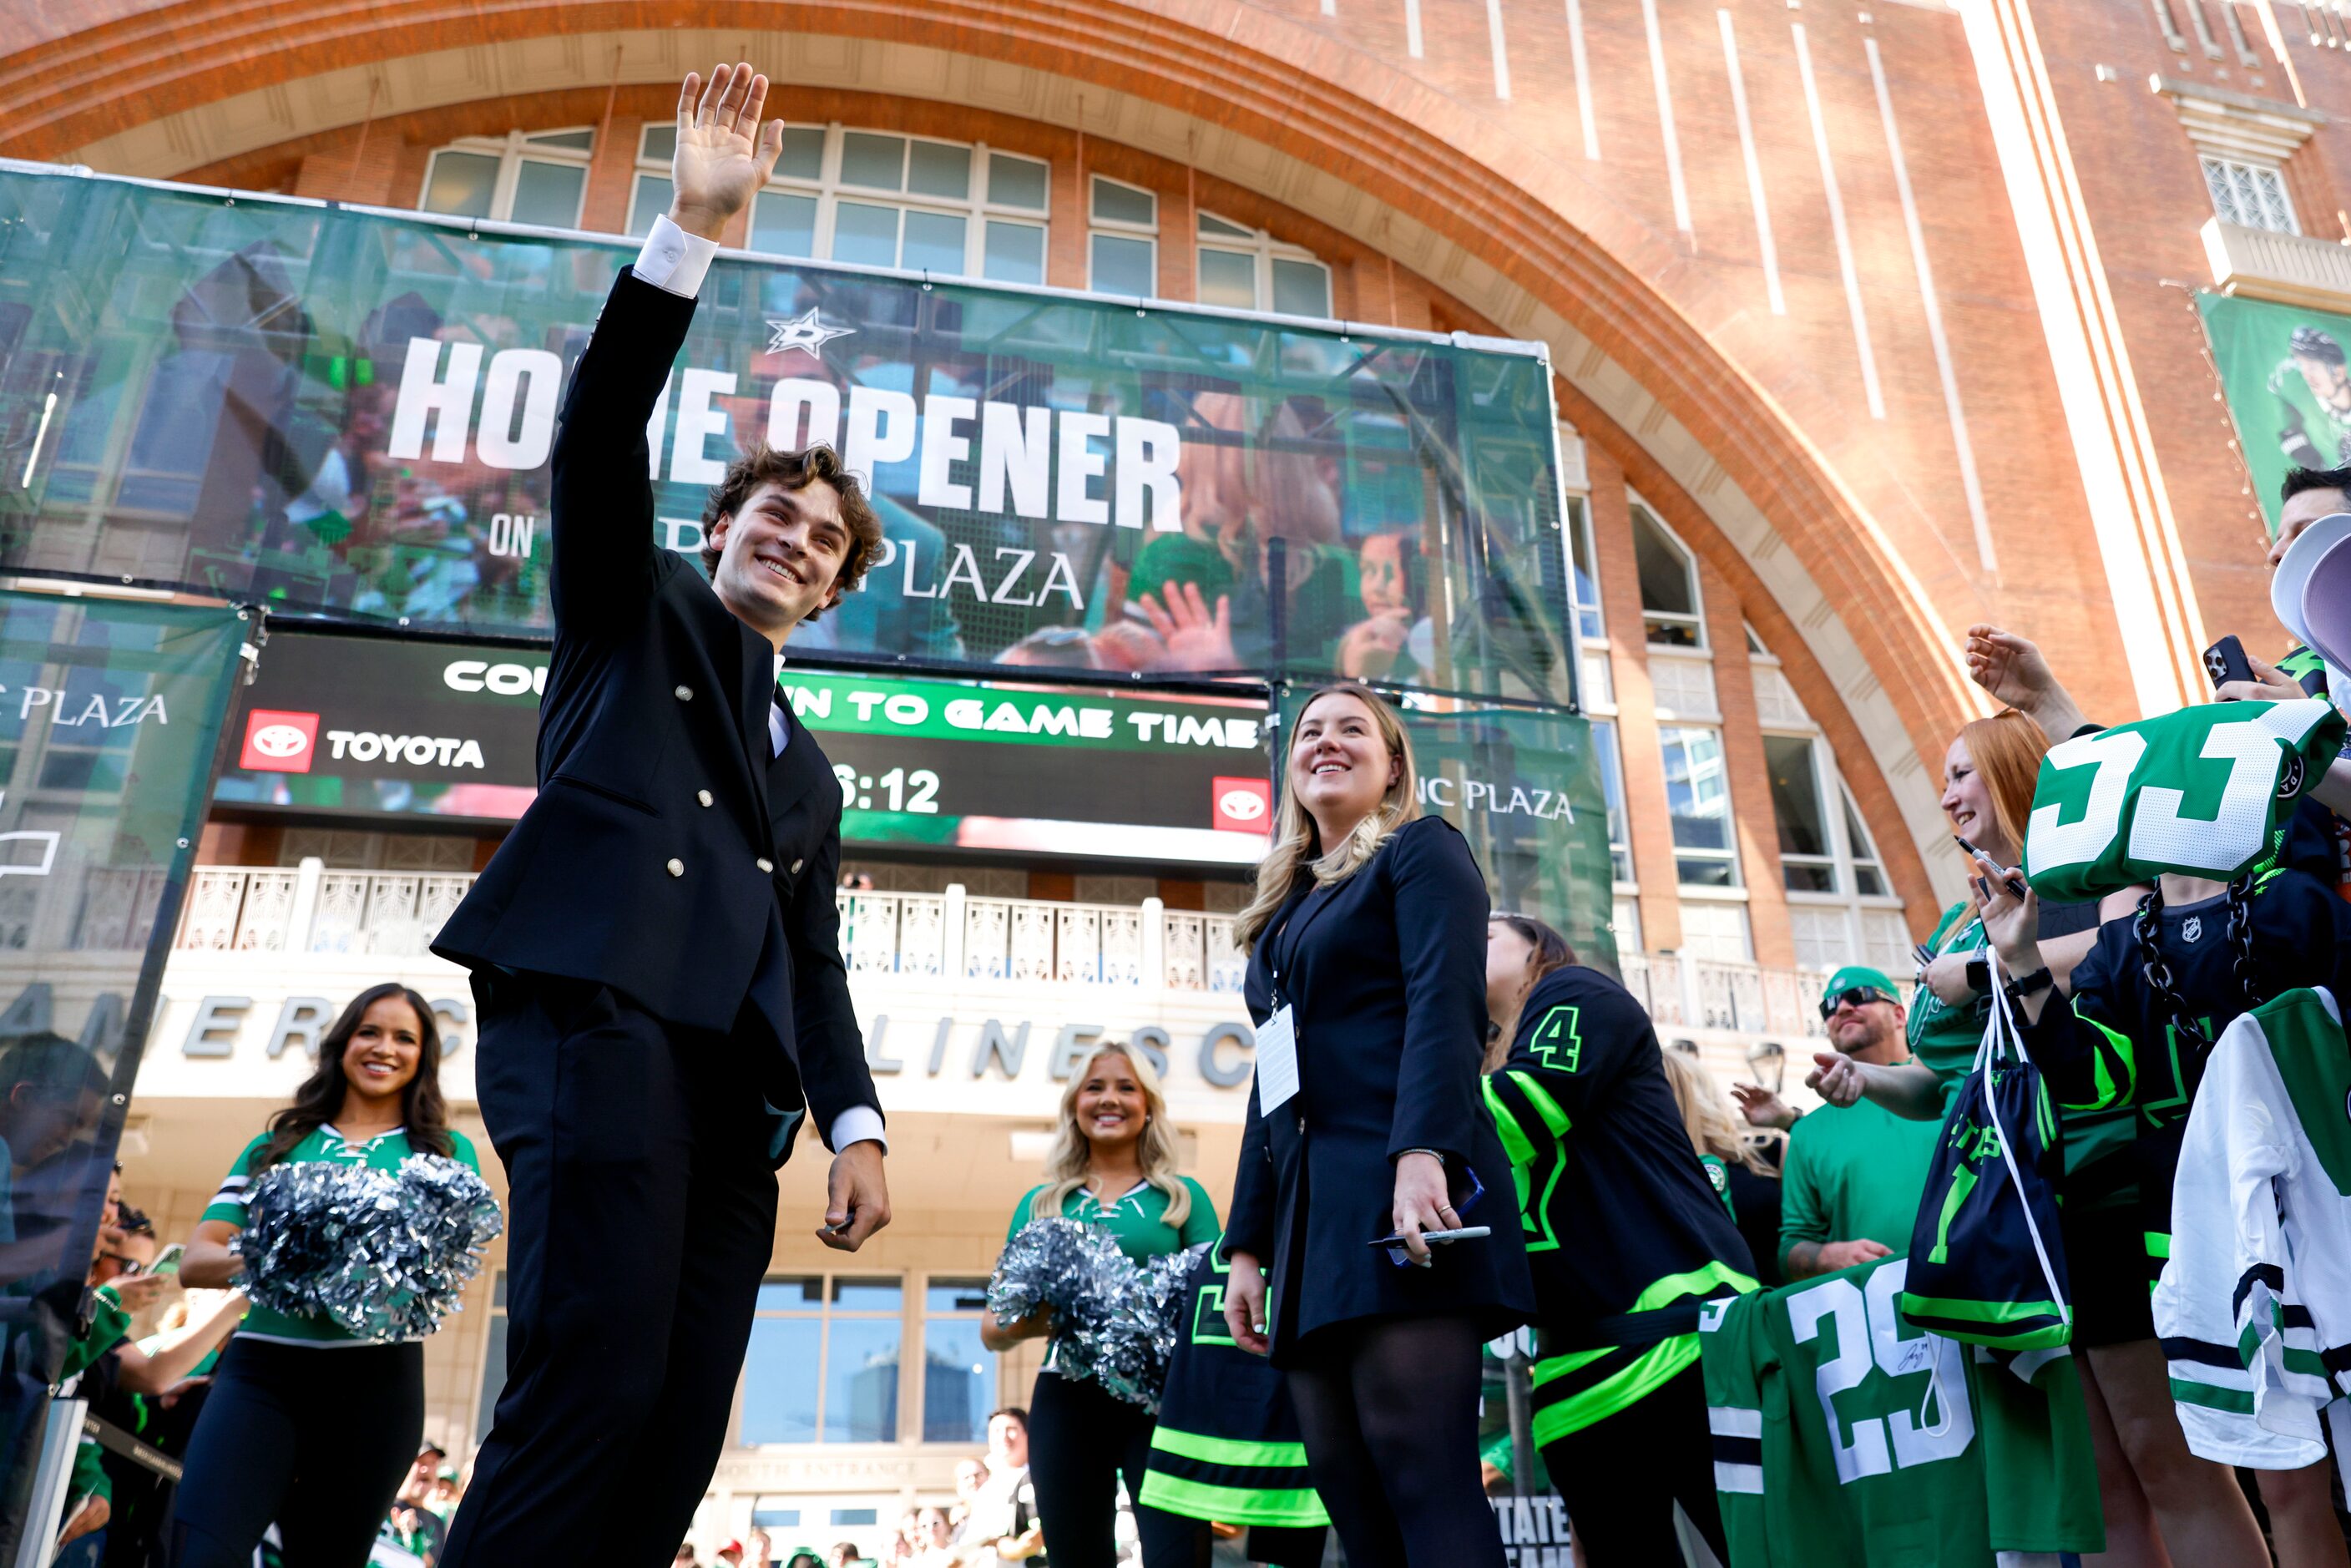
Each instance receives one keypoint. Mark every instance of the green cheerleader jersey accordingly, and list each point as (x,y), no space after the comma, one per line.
(384,1152)
(1844,1439)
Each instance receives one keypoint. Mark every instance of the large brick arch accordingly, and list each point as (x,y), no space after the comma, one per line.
(1231,87)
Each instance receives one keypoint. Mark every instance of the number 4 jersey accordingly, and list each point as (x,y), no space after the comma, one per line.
(1842,1436)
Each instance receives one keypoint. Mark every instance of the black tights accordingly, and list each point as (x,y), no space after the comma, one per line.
(1389,1411)
(1082,1439)
(1621,1475)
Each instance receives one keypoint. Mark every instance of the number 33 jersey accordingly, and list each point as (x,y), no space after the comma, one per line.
(1843,1437)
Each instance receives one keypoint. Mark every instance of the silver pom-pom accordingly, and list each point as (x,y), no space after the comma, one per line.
(1114,1323)
(383,1257)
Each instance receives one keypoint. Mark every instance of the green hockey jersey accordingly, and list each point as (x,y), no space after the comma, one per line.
(2206,791)
(1844,1439)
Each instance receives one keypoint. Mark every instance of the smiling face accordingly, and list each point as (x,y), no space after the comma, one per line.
(780,554)
(1853,1030)
(1339,764)
(1111,1106)
(1967,801)
(382,1058)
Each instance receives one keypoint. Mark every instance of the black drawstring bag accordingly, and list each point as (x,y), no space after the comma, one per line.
(1986,1265)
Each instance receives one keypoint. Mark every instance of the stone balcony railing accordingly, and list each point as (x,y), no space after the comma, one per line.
(952,935)
(395,913)
(2296,270)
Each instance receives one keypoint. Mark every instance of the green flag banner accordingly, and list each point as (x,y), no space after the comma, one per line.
(109,717)
(2285,373)
(350,414)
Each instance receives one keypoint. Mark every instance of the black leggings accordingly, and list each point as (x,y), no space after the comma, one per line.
(1082,1438)
(313,1439)
(1389,1411)
(1621,1475)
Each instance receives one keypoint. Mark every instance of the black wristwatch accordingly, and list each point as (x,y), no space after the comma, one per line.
(2039,980)
(1979,974)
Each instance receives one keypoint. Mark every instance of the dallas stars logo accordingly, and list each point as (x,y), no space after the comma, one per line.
(805,333)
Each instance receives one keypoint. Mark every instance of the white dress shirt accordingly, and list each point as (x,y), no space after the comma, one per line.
(675,261)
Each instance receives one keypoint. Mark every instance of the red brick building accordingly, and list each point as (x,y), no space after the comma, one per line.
(1869,320)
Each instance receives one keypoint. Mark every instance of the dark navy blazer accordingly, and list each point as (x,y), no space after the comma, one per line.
(668,855)
(1387,974)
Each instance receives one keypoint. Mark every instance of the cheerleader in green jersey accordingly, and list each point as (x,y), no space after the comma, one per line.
(307,1427)
(1113,1164)
(1624,1234)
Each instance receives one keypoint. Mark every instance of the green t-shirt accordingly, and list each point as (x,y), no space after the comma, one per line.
(1946,1038)
(1135,1221)
(384,1152)
(1853,1174)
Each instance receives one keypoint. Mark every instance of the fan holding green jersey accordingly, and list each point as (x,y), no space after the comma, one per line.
(308,1425)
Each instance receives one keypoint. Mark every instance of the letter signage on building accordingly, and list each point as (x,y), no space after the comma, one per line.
(351,414)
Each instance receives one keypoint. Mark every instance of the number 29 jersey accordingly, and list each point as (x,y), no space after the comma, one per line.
(1843,1437)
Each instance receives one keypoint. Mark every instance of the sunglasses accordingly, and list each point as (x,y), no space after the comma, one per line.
(128,1265)
(1852,997)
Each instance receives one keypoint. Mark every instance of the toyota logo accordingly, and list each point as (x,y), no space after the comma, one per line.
(279,740)
(1241,805)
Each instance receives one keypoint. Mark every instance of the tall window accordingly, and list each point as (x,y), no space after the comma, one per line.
(1697,800)
(2251,194)
(1122,250)
(877,199)
(1248,269)
(824,1361)
(1807,852)
(959,1372)
(1669,600)
(538,178)
(1585,571)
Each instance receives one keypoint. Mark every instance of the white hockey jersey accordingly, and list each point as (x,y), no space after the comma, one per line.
(2254,1310)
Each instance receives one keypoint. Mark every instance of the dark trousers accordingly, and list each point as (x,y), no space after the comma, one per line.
(1082,1439)
(1620,1477)
(642,1216)
(314,1440)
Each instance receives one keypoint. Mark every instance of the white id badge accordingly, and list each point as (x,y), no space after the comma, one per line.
(1276,1062)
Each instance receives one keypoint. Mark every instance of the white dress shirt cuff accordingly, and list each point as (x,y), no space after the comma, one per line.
(674,260)
(858,1124)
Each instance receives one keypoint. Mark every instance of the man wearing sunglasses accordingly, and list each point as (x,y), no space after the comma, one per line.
(1851,1185)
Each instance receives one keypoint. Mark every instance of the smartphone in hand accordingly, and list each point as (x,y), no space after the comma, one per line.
(2225,661)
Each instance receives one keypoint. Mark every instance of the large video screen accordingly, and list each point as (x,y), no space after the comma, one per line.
(335,725)
(350,414)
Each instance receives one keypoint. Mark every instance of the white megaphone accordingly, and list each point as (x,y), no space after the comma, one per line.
(2311,594)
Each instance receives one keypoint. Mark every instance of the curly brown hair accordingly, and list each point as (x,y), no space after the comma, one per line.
(765,464)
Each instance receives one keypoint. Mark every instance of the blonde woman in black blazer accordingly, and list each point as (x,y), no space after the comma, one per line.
(1369,927)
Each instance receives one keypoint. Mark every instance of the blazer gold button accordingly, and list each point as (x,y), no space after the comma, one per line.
(796,867)
(703,796)
(685,693)
(766,865)
(677,868)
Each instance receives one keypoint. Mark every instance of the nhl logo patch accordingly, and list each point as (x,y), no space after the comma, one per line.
(2193,930)
(2290,781)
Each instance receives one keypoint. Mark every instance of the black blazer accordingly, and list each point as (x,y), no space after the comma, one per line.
(1386,975)
(668,855)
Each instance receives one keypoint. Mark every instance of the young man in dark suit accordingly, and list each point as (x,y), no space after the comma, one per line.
(655,952)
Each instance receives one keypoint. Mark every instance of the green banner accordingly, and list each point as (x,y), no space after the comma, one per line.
(1523,785)
(350,414)
(110,720)
(2285,370)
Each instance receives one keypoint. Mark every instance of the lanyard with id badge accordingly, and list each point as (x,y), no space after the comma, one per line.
(1277,1036)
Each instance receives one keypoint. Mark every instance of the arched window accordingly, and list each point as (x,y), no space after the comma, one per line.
(1248,269)
(1669,602)
(539,177)
(879,199)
